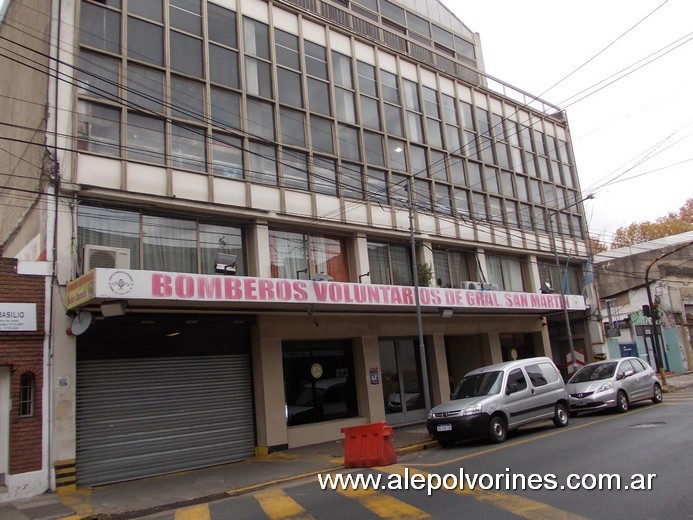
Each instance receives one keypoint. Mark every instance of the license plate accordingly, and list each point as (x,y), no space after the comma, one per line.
(579,403)
(444,427)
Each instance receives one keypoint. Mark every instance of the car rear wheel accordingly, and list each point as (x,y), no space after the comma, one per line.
(560,416)
(621,402)
(496,430)
(657,397)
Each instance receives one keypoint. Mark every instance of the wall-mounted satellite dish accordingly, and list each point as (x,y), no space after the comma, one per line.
(80,323)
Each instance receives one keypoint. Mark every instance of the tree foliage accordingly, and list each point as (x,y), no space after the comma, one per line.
(671,224)
(597,246)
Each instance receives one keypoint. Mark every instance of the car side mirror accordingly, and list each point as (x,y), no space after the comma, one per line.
(628,373)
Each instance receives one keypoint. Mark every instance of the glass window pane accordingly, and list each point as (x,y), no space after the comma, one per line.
(295,170)
(393,120)
(377,187)
(256,38)
(145,41)
(423,194)
(262,165)
(367,83)
(457,169)
(388,85)
(257,77)
(293,127)
(99,27)
(329,256)
(145,141)
(319,97)
(462,203)
(341,70)
(187,98)
(221,25)
(186,54)
(286,49)
(98,129)
(370,113)
(150,9)
(290,91)
(400,260)
(321,134)
(225,109)
(185,15)
(223,66)
(374,148)
(443,203)
(415,127)
(324,176)
(288,255)
(188,148)
(98,76)
(349,143)
(145,88)
(220,239)
(316,59)
(227,156)
(351,180)
(344,101)
(169,244)
(378,263)
(261,119)
(109,227)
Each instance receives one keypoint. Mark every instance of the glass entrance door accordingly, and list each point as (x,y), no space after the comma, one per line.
(403,391)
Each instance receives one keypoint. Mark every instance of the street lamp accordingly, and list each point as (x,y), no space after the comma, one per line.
(571,345)
(417,300)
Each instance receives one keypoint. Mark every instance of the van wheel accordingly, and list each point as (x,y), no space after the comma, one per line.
(496,430)
(657,397)
(621,402)
(560,416)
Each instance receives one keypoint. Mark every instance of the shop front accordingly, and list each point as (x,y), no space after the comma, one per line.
(195,370)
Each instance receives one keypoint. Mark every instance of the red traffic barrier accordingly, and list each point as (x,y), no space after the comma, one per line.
(368,445)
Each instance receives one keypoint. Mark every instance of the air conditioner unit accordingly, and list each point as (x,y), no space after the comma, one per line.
(105,257)
(470,286)
(489,286)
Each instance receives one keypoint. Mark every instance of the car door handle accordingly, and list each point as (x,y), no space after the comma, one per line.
(533,391)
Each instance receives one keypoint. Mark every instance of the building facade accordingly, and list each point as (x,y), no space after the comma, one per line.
(623,286)
(274,220)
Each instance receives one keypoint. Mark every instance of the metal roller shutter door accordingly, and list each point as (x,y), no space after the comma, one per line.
(144,417)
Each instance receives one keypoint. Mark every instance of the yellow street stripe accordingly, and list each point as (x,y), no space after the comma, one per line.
(277,504)
(520,506)
(199,512)
(382,505)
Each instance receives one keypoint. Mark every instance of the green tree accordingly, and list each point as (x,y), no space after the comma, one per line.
(671,224)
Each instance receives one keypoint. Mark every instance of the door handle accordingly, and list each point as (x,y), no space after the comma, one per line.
(533,391)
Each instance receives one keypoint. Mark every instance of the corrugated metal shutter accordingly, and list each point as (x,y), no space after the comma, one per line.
(144,417)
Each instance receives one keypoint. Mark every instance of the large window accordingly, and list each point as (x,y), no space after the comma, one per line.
(302,256)
(570,277)
(505,272)
(319,381)
(390,264)
(451,268)
(167,244)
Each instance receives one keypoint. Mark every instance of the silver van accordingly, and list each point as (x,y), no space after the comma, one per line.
(490,401)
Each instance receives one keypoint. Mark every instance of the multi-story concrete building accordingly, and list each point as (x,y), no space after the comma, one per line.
(242,193)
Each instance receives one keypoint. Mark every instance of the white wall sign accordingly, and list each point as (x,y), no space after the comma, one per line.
(17,316)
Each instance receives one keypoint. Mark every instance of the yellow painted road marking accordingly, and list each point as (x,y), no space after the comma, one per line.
(277,504)
(382,505)
(199,512)
(520,506)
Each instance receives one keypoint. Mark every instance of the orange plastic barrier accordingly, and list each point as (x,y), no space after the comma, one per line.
(369,445)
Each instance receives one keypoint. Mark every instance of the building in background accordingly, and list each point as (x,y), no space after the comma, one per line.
(628,322)
(231,191)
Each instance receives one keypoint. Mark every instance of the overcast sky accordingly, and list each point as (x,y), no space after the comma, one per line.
(633,138)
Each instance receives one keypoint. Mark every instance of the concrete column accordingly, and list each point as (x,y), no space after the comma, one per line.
(545,340)
(492,353)
(438,367)
(270,414)
(357,248)
(533,278)
(257,247)
(370,395)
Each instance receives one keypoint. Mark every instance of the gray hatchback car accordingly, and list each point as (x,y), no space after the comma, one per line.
(613,383)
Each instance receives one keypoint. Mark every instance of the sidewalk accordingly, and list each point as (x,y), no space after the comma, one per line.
(187,488)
